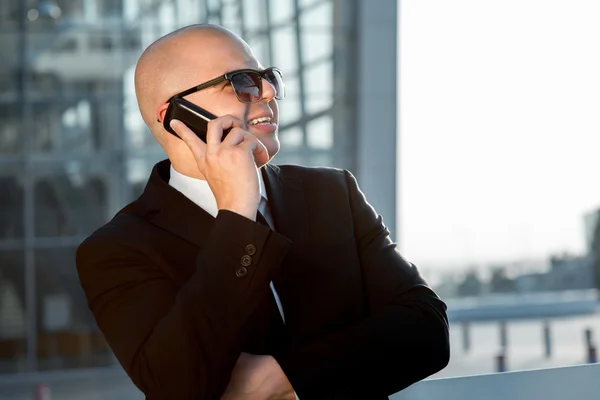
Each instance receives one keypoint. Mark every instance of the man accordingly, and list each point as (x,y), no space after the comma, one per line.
(232,278)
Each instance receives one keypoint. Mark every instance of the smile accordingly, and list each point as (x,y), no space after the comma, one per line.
(260,121)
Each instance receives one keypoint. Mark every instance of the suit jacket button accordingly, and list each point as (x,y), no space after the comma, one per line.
(246,261)
(242,272)
(251,249)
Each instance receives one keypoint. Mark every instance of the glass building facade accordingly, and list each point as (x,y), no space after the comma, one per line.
(74,149)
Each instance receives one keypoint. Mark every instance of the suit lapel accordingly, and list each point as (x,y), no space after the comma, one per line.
(171,210)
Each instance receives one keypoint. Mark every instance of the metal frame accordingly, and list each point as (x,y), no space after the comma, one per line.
(376,107)
(28,188)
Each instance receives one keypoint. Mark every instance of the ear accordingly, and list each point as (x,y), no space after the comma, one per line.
(160,112)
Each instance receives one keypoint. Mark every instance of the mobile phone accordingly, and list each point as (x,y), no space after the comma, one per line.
(195,118)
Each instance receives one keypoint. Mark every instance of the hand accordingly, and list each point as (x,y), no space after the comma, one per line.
(229,166)
(258,378)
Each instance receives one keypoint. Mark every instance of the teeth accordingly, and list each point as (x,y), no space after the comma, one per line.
(259,120)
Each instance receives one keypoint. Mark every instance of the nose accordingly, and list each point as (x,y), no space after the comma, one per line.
(268,91)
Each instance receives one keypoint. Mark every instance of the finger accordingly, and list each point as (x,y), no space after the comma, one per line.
(214,131)
(235,137)
(196,145)
(258,149)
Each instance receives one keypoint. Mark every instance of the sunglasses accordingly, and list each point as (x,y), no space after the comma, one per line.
(246,83)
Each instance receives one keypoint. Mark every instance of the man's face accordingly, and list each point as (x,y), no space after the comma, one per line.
(219,57)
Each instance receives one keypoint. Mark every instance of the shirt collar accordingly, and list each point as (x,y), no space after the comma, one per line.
(198,191)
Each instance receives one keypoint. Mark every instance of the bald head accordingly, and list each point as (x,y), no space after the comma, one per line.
(182,59)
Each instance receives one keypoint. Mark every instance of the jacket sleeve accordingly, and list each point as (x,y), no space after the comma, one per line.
(403,339)
(179,342)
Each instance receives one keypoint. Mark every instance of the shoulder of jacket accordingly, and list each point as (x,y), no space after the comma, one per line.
(122,229)
(311,173)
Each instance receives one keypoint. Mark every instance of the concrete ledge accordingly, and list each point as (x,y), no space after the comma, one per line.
(579,382)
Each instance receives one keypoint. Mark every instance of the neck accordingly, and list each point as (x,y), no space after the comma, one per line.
(191,169)
(188,170)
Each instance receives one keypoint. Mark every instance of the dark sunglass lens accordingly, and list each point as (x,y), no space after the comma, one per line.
(247,86)
(274,78)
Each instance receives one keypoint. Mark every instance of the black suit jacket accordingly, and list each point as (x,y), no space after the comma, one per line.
(178,294)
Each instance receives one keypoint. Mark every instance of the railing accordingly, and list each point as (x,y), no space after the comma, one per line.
(523,305)
(90,384)
(580,382)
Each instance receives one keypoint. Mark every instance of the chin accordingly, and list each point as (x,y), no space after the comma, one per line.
(271,156)
(273,151)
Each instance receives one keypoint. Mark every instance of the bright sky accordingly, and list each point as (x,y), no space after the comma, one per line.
(499,128)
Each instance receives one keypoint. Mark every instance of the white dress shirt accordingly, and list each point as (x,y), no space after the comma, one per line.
(198,191)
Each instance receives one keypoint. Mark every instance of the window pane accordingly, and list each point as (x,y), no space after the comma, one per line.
(260,47)
(285,49)
(137,134)
(190,11)
(310,3)
(290,158)
(78,56)
(316,46)
(231,15)
(139,168)
(68,336)
(319,87)
(254,14)
(11,208)
(320,133)
(289,107)
(10,79)
(70,203)
(281,11)
(139,137)
(11,132)
(317,33)
(13,328)
(319,160)
(9,11)
(214,12)
(9,50)
(166,15)
(290,139)
(319,17)
(75,85)
(112,8)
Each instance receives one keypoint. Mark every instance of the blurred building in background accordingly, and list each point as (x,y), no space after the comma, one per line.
(74,149)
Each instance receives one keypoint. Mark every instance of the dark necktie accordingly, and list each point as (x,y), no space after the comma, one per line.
(260,218)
